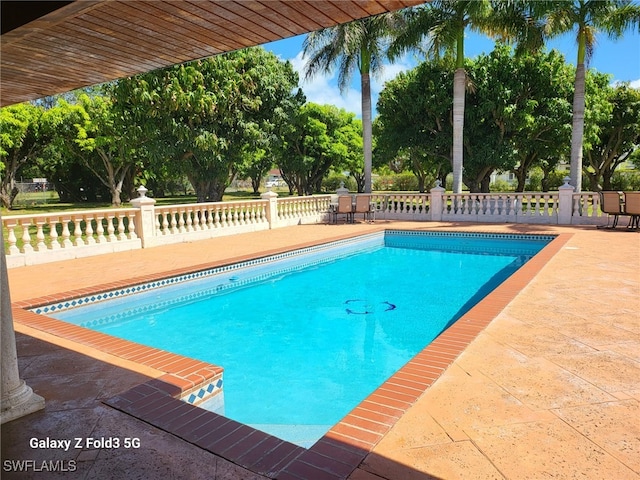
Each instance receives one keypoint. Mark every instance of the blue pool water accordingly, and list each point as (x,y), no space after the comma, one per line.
(304,339)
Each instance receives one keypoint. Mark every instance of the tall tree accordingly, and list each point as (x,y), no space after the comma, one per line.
(319,137)
(360,45)
(108,147)
(211,116)
(443,24)
(617,137)
(19,144)
(586,18)
(531,104)
(62,160)
(414,121)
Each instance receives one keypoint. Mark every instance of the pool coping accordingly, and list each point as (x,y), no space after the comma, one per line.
(346,444)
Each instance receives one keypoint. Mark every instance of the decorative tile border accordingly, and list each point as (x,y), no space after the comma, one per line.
(488,235)
(231,268)
(204,393)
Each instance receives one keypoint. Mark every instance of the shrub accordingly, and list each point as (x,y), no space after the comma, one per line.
(332,182)
(628,180)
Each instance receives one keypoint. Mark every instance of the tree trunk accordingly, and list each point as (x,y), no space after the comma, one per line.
(366,129)
(459,80)
(577,129)
(521,176)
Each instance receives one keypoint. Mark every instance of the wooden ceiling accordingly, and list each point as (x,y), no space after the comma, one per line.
(87,42)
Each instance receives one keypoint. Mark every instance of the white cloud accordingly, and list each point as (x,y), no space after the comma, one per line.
(631,83)
(323,88)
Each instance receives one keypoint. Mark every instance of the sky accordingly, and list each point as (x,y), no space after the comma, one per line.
(620,58)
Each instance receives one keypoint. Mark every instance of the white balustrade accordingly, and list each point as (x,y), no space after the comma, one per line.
(179,223)
(409,206)
(47,237)
(586,208)
(300,210)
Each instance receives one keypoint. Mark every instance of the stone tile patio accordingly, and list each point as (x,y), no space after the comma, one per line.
(550,388)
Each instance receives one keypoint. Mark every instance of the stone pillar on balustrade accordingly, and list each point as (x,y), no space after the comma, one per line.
(435,202)
(272,207)
(565,202)
(145,218)
(342,190)
(17,399)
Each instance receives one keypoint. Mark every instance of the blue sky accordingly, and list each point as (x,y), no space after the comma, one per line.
(620,58)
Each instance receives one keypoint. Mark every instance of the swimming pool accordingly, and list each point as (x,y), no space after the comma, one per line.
(303,349)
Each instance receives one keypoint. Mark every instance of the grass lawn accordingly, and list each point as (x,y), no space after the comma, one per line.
(36,205)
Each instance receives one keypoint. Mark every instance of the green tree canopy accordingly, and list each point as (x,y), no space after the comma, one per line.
(211,116)
(585,18)
(531,106)
(414,121)
(617,137)
(19,145)
(61,159)
(319,137)
(362,46)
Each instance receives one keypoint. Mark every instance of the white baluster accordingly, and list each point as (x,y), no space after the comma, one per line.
(174,221)
(209,218)
(66,234)
(100,229)
(11,237)
(88,230)
(165,223)
(77,231)
(53,232)
(157,216)
(181,221)
(26,236)
(40,245)
(121,230)
(110,228)
(577,205)
(188,220)
(198,219)
(131,225)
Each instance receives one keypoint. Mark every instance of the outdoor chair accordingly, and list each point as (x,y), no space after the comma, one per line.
(611,204)
(632,208)
(363,205)
(344,207)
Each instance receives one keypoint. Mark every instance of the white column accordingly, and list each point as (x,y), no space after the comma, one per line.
(145,217)
(17,399)
(435,203)
(272,209)
(565,203)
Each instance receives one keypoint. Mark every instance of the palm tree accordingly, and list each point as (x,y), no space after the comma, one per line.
(587,18)
(361,44)
(443,23)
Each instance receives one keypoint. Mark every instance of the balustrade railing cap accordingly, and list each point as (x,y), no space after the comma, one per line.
(142,199)
(566,185)
(268,194)
(438,187)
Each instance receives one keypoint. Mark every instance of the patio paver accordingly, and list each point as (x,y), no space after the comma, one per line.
(549,388)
